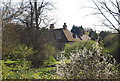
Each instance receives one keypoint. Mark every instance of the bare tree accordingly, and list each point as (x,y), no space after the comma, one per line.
(37,14)
(35,17)
(10,11)
(110,10)
(29,13)
(33,14)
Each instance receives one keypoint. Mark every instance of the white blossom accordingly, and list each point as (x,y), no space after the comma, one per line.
(84,63)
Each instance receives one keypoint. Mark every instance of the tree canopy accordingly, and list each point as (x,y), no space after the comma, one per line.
(78,30)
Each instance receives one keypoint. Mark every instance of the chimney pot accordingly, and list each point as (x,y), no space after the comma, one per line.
(64,26)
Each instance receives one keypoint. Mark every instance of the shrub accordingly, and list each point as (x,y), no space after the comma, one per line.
(11,37)
(77,45)
(22,52)
(87,64)
(42,55)
(50,61)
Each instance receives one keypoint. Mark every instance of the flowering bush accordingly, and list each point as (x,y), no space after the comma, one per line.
(87,64)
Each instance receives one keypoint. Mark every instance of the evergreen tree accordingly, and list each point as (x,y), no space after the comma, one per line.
(78,30)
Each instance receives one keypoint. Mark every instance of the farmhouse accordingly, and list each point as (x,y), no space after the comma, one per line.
(63,35)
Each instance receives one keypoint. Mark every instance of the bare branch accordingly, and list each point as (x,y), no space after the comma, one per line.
(107,9)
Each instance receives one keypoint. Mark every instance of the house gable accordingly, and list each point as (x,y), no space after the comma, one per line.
(63,35)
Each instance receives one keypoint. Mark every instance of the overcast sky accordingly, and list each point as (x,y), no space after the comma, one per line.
(73,12)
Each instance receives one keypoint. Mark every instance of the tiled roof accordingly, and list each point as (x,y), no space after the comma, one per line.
(69,35)
(85,38)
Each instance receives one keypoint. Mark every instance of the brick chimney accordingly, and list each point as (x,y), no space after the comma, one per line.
(64,26)
(52,26)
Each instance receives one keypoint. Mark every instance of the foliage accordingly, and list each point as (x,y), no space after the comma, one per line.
(12,31)
(50,61)
(0,70)
(78,45)
(17,44)
(78,30)
(23,70)
(103,34)
(47,73)
(11,37)
(50,50)
(18,70)
(111,43)
(42,55)
(109,39)
(28,30)
(93,35)
(87,64)
(22,52)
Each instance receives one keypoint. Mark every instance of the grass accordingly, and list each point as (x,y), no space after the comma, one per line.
(15,69)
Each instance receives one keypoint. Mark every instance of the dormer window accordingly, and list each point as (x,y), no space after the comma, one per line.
(74,35)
